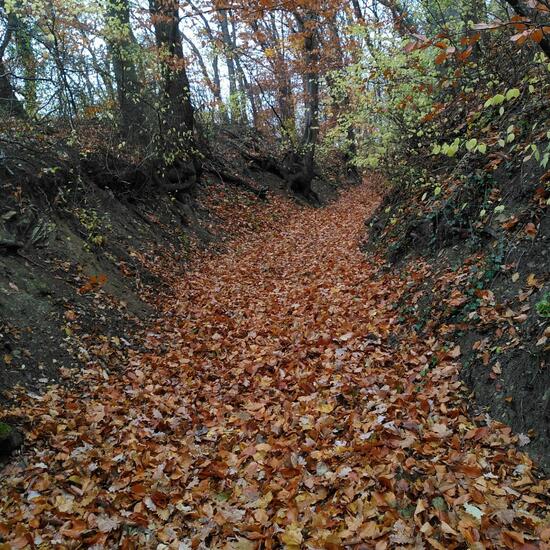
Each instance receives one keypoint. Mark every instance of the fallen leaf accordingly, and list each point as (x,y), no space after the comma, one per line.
(292,536)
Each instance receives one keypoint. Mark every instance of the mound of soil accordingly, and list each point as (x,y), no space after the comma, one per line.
(484,247)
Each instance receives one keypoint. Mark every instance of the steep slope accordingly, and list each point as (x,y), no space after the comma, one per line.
(483,242)
(88,240)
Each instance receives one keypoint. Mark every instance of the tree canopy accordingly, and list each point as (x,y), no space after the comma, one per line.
(373,79)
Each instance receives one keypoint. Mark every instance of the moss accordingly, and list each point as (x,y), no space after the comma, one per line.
(543,307)
(5,430)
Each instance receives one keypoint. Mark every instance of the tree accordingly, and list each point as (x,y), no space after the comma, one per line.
(213,47)
(272,45)
(307,27)
(229,48)
(533,14)
(9,102)
(26,56)
(177,125)
(125,52)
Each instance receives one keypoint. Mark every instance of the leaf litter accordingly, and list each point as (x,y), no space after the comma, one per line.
(281,403)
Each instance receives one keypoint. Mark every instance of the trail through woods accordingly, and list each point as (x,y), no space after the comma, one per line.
(281,403)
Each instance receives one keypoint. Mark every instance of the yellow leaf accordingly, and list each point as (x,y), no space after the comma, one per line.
(292,537)
(262,502)
(532,280)
(241,544)
(325,408)
(76,480)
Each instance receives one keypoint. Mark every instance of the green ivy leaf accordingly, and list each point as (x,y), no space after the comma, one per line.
(512,94)
(471,144)
(451,152)
(482,148)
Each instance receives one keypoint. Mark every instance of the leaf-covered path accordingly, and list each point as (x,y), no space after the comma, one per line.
(282,404)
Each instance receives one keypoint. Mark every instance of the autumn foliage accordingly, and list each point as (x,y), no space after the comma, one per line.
(280,402)
(282,397)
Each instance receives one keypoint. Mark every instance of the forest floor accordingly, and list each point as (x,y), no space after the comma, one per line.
(281,402)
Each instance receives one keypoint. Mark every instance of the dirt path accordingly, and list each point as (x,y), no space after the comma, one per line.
(292,409)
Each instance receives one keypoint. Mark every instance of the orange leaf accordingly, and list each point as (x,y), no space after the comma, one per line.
(537,35)
(531,230)
(520,38)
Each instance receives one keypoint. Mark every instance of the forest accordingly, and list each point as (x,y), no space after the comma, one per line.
(275,274)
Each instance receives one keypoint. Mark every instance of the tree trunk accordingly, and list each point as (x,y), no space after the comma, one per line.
(200,60)
(311,120)
(241,77)
(217,80)
(103,71)
(286,105)
(123,48)
(247,88)
(358,12)
(523,11)
(177,116)
(27,59)
(230,62)
(301,182)
(9,103)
